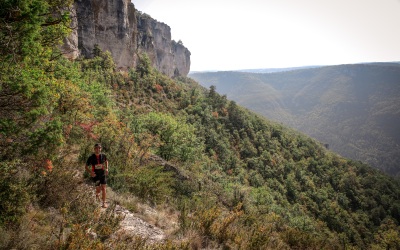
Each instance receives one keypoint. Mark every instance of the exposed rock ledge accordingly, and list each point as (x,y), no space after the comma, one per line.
(133,226)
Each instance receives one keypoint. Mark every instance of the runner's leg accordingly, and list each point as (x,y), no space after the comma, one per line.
(98,190)
(103,194)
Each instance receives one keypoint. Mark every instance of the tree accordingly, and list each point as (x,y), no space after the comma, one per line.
(178,139)
(144,65)
(31,29)
(30,32)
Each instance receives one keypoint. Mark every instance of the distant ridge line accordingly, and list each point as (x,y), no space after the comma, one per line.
(277,70)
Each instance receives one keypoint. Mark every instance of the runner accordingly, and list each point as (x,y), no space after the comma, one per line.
(98,172)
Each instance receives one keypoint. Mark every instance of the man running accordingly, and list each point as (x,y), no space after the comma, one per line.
(98,172)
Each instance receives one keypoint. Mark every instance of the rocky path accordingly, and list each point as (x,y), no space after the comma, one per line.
(133,226)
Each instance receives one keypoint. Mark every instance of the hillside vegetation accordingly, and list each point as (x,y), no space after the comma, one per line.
(353,108)
(237,181)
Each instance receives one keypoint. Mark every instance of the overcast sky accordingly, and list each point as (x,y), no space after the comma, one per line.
(250,34)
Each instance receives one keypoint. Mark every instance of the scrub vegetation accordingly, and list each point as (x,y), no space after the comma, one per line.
(239,181)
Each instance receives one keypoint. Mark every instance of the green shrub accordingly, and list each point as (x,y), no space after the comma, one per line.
(151,183)
(15,191)
(178,139)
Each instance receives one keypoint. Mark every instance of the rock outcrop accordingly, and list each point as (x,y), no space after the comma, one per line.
(111,24)
(116,26)
(131,226)
(70,46)
(154,38)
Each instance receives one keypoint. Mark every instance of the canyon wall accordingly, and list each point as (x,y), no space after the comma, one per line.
(116,26)
(154,38)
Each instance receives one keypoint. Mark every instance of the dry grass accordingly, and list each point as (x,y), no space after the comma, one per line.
(162,216)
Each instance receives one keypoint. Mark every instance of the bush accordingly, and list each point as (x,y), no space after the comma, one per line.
(15,191)
(151,183)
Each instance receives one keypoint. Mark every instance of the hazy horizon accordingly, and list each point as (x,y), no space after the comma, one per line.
(232,35)
(294,67)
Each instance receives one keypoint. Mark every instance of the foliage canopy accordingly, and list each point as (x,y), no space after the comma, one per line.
(239,181)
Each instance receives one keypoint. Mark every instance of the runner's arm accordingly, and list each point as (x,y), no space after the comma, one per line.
(89,170)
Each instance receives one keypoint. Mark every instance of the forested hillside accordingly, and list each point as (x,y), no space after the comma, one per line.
(353,108)
(238,181)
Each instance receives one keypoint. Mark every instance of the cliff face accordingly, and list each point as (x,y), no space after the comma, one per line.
(154,38)
(116,26)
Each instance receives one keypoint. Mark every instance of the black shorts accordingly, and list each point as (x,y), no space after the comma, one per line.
(99,179)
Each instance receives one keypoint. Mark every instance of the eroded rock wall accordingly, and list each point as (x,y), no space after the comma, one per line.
(168,56)
(111,24)
(69,47)
(116,26)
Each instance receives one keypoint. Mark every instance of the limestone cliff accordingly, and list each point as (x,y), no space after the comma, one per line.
(154,38)
(116,26)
